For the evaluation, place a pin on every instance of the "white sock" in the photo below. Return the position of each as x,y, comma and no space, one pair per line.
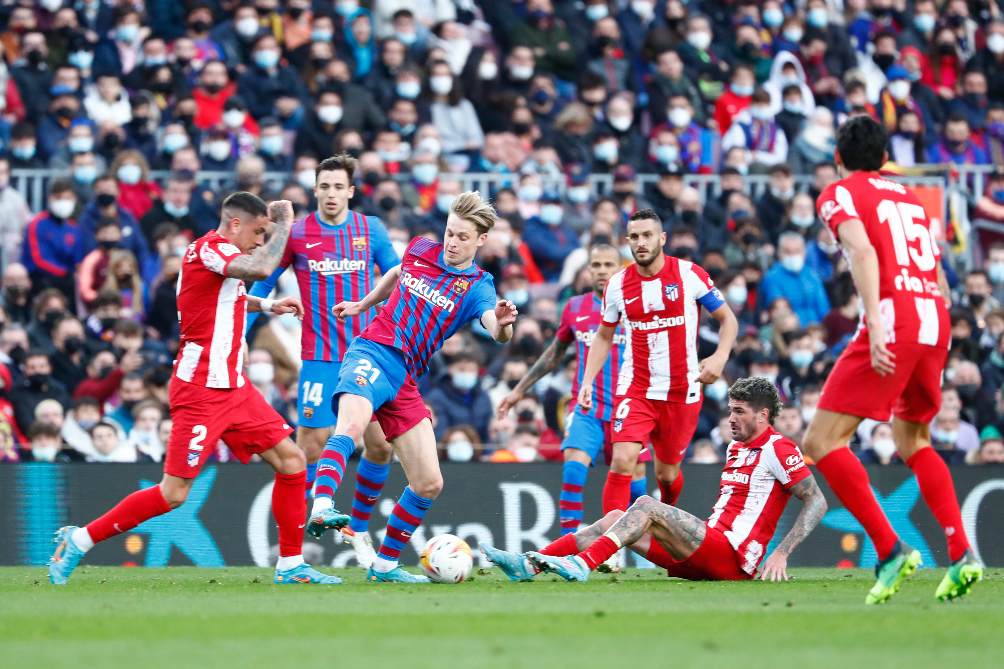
288,562
320,504
82,539
381,565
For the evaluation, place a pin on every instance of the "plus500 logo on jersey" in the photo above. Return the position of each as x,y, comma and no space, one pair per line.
419,288
328,266
657,323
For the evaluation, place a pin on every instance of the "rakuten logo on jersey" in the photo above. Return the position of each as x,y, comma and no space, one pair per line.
587,337
419,288
329,267
657,323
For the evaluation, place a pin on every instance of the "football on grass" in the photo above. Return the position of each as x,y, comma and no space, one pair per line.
447,559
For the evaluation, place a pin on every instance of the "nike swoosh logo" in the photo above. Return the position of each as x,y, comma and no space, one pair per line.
420,264
581,318
310,246
300,527
630,301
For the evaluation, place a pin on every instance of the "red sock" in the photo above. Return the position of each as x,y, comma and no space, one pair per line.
616,492
127,514
849,480
599,551
670,492
289,508
936,486
565,545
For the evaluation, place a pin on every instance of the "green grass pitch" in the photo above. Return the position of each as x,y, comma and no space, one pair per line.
185,617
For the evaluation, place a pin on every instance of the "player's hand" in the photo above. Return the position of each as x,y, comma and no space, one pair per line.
585,398
775,568
288,305
711,368
280,211
344,310
883,360
505,313
507,403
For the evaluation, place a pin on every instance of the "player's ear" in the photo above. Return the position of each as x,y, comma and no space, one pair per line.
482,238
837,160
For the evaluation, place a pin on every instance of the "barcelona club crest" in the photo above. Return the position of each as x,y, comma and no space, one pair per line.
308,412
360,381
672,291
359,243
461,285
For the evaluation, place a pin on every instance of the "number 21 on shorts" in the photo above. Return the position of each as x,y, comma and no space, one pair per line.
366,371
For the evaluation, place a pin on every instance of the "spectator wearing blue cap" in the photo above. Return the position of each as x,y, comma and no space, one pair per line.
549,237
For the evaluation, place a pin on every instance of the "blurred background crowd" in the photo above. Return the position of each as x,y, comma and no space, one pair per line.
133,119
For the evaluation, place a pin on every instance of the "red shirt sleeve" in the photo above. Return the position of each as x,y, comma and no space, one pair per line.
790,469
217,254
564,333
836,206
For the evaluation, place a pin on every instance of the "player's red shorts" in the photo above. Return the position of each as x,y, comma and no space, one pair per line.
714,560
668,426
403,412
202,416
912,392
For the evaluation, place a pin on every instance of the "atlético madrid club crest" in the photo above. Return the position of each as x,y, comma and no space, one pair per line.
672,291
461,285
618,424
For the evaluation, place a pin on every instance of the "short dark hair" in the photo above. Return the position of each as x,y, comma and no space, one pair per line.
759,393
339,161
245,202
101,424
60,186
602,244
43,429
861,141
645,214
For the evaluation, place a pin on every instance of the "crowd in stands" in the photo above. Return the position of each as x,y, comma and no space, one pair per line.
542,94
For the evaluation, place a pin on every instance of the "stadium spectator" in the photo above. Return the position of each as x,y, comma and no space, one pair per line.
458,398
789,277
461,443
50,250
261,373
952,436
131,391
37,385
16,291
109,445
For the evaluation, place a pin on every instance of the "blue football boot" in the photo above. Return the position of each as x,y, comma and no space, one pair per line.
514,565
303,573
65,558
569,568
395,575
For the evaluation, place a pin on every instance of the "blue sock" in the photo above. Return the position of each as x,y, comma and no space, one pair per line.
639,487
573,479
331,466
370,478
311,475
405,519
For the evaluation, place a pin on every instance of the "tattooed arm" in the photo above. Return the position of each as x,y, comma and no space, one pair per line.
545,364
813,510
261,262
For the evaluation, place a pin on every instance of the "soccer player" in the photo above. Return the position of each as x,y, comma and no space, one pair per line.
333,252
658,396
209,396
763,469
588,431
893,365
434,292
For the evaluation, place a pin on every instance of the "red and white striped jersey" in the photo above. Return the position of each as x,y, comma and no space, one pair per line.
755,488
212,309
660,315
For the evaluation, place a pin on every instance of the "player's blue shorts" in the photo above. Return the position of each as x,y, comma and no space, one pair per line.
318,379
586,433
371,370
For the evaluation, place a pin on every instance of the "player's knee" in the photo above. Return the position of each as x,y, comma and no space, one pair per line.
353,429
429,488
174,495
378,451
667,473
622,463
293,460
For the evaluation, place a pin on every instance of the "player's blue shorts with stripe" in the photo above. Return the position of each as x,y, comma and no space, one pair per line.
586,433
318,379
371,370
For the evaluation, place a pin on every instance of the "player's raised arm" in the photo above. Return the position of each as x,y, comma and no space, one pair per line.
599,351
499,321
865,272
261,262
712,367
544,365
380,292
775,568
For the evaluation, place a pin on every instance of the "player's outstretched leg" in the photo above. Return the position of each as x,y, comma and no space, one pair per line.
330,470
891,572
962,575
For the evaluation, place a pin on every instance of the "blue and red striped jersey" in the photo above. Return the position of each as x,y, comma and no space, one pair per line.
429,304
581,318
333,263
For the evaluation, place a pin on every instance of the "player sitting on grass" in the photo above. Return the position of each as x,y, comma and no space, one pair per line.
762,469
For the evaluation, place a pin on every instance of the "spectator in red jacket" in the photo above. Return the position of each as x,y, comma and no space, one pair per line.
736,98
212,93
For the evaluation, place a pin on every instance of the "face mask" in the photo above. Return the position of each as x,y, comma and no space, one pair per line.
803,221
793,107
699,40
717,391
80,144
597,12
219,150
680,117
924,22
306,178
551,214
761,113
578,194
606,152
37,381
976,301
808,413
266,59
643,8
321,35
518,296
945,436
23,152
174,210
817,17
525,453
129,174
44,453
108,245
464,380
127,33
793,264
271,145
801,359
247,27
73,344
667,153
87,423
793,35
347,7
85,174
81,60
742,91
408,90
460,451
520,72
884,448
995,43
773,17
62,208
261,373
488,69
234,118
996,272
899,89
174,141
425,173
444,202
529,193
620,123
406,38
737,295
441,85
330,114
